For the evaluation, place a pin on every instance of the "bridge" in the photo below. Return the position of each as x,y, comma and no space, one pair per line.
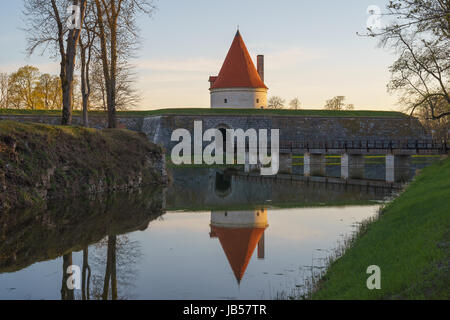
373,147
398,154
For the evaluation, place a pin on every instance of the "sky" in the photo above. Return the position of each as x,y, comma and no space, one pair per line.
311,50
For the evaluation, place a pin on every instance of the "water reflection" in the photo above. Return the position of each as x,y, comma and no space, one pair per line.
239,232
213,189
126,242
62,228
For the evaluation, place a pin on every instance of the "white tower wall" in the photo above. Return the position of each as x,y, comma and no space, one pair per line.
239,98
240,219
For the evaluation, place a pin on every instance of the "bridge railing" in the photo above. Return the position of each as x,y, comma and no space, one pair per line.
435,145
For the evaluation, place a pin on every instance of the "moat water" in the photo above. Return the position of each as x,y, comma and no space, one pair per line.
210,235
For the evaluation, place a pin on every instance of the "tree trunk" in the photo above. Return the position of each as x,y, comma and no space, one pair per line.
85,285
66,293
85,86
110,273
112,247
68,64
109,69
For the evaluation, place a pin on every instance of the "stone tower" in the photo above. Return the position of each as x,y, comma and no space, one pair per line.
239,85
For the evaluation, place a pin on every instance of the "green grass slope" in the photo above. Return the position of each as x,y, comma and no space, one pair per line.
410,242
205,111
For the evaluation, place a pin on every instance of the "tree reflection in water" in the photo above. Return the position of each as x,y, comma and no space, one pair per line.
109,270
66,293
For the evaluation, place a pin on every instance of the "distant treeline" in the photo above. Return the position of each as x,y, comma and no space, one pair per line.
28,88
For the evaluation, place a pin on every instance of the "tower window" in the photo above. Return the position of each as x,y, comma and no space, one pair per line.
257,100
225,100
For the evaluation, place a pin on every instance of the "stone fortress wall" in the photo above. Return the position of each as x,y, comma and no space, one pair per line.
292,128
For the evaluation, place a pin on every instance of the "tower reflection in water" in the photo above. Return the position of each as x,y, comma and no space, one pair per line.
239,233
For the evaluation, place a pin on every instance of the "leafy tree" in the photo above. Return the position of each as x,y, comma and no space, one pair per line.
22,85
48,92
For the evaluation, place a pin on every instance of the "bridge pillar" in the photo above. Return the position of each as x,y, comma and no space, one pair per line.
285,163
352,166
345,161
314,164
397,168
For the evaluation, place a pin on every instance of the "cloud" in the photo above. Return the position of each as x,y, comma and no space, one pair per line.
173,77
180,65
282,59
291,57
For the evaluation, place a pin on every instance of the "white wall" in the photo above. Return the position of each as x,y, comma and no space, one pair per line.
240,98
240,219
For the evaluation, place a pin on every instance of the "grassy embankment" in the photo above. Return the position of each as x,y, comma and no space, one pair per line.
39,162
205,111
410,242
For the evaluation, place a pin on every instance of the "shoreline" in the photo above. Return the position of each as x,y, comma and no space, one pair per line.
42,162
409,241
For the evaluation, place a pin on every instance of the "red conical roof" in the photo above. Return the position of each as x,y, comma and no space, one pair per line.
238,245
238,70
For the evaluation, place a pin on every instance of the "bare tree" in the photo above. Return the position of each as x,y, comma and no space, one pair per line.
47,27
420,34
126,97
118,34
276,103
87,50
337,104
295,104
422,75
98,94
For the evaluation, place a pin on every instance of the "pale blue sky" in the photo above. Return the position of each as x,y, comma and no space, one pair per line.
311,48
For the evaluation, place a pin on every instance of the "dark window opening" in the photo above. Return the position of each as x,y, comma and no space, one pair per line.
257,100
225,100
